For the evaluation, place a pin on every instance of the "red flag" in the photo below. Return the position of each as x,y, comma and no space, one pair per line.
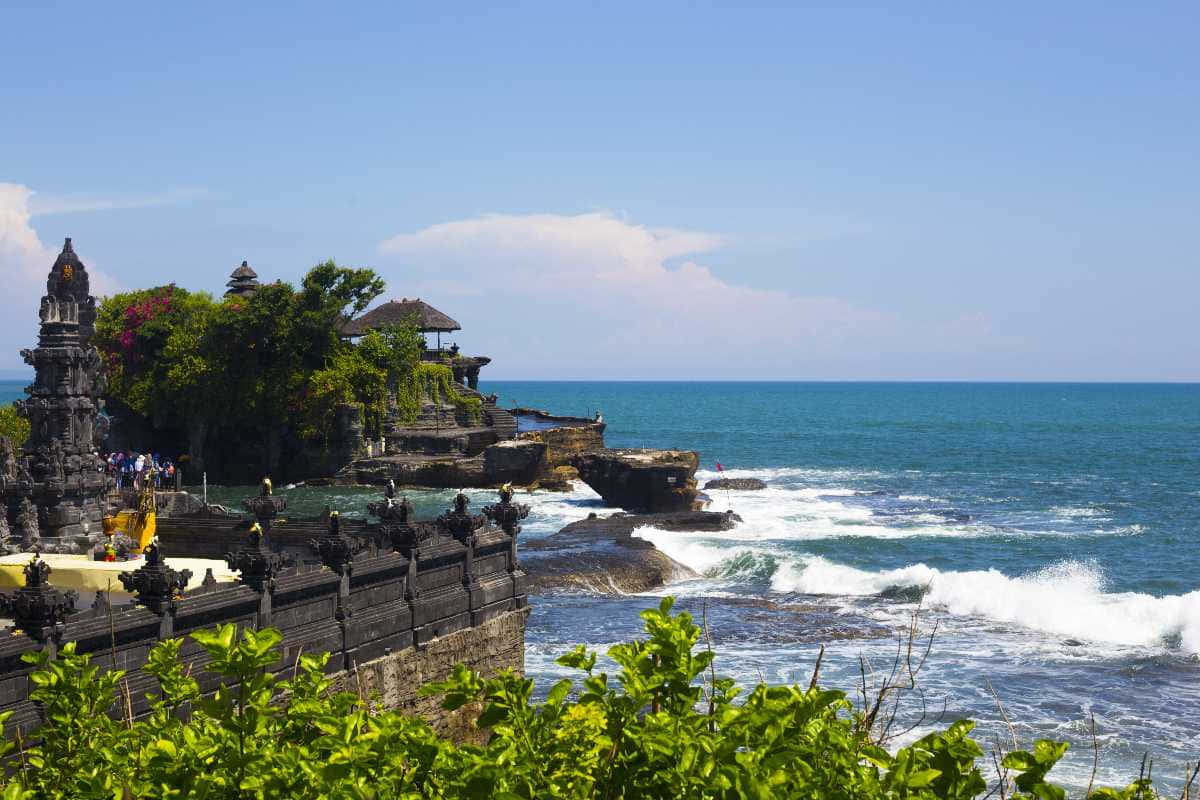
719,467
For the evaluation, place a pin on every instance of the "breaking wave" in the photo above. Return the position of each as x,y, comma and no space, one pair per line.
1066,598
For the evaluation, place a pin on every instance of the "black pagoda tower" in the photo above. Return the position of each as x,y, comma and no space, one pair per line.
243,281
58,468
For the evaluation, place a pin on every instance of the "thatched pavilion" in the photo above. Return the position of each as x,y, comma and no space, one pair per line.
397,312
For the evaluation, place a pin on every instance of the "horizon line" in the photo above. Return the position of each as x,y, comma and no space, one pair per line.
13,378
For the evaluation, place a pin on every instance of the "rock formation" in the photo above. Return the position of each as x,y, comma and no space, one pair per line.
648,481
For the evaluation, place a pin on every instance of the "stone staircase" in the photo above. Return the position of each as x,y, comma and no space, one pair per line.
502,422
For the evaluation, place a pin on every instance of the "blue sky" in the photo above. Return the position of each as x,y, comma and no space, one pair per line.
640,190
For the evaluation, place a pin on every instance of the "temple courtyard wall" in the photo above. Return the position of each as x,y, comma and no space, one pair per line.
392,615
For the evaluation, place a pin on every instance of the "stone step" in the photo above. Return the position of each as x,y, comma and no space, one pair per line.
502,422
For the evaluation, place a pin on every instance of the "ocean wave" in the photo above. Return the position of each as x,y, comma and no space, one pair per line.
785,474
1071,512
1066,599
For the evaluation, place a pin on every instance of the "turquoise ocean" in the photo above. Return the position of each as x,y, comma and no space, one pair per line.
1049,531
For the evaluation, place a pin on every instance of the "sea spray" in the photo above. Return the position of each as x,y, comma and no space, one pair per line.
1066,599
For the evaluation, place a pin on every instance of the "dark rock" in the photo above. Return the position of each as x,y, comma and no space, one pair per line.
600,554
597,563
737,484
513,461
623,524
174,504
647,481
559,479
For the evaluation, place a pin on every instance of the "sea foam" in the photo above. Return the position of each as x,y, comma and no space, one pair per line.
1066,599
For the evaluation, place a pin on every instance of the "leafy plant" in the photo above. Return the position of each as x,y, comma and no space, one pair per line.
666,726
434,382
13,426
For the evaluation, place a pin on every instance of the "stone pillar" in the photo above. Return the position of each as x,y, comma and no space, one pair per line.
157,586
508,516
461,525
337,552
258,566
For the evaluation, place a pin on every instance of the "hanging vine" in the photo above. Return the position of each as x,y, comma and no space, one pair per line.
434,382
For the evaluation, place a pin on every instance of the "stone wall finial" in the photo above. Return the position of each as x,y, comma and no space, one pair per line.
156,585
334,547
38,608
256,562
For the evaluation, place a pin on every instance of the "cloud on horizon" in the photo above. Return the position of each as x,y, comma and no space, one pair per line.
25,262
622,300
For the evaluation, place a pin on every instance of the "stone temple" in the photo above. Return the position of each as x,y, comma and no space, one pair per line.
56,472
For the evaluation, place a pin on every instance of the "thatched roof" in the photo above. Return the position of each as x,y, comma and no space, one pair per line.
398,312
243,271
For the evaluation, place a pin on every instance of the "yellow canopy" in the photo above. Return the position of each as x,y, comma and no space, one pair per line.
81,572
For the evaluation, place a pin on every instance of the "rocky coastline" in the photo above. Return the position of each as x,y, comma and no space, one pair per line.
600,555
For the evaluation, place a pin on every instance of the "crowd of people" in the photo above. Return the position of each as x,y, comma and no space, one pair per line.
130,470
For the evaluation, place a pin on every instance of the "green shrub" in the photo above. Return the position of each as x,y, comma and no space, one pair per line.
13,426
666,727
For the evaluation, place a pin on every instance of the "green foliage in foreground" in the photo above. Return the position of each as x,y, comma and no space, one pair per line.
13,426
657,730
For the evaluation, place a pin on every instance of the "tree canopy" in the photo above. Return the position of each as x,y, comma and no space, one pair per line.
269,365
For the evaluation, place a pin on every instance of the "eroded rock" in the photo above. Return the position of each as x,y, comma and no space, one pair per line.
646,481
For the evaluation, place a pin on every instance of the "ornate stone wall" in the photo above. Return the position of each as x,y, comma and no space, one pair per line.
396,604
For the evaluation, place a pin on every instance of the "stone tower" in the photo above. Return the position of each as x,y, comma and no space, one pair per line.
58,469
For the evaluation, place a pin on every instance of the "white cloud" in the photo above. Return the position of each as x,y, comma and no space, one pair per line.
609,293
25,262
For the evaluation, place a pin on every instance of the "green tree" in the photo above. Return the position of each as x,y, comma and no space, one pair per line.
13,426
260,366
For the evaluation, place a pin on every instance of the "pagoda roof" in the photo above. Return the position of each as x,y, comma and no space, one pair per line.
243,271
398,312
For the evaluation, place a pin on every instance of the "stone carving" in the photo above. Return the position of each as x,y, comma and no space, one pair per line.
257,563
459,523
55,460
55,469
506,513
156,585
27,524
334,547
8,463
395,523
266,506
39,609
508,516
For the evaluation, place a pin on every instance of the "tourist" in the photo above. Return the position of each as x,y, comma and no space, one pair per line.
130,473
139,468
